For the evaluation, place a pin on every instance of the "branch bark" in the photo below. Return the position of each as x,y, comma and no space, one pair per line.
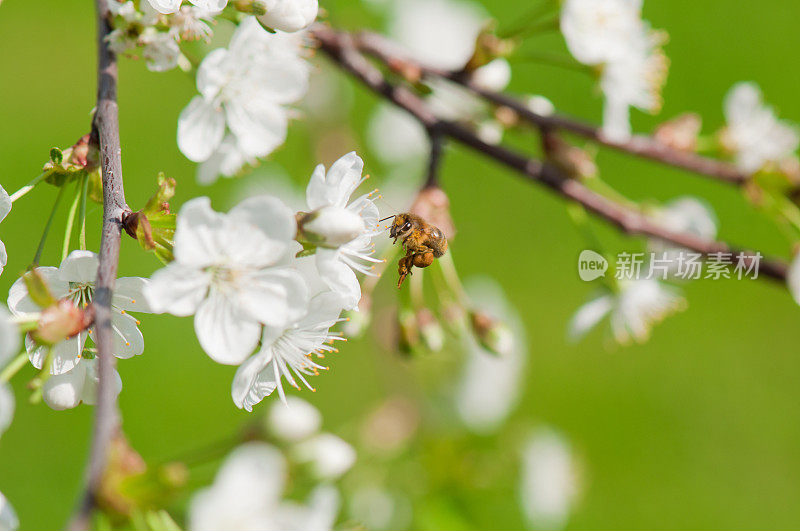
105,131
640,145
343,49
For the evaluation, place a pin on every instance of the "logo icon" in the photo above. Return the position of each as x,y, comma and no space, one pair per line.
591,265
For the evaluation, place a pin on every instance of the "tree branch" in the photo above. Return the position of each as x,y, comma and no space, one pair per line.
341,47
644,146
105,132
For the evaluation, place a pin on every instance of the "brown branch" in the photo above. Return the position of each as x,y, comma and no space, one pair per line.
641,145
105,132
341,48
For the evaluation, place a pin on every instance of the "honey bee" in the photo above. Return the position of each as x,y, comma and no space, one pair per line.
422,242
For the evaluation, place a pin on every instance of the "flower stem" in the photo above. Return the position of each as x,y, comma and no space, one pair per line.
84,196
28,187
13,367
47,227
73,209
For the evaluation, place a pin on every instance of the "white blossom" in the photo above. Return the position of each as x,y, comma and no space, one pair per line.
793,278
634,309
228,273
610,34
754,133
286,353
493,76
548,486
74,280
289,15
245,89
79,385
227,161
6,407
8,518
171,6
247,495
489,386
192,23
328,455
5,208
337,267
294,421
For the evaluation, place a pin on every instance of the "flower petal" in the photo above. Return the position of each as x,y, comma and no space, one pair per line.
201,126
213,73
275,297
20,302
254,380
64,391
129,295
79,266
226,333
588,316
177,289
197,235
335,186
66,354
270,215
338,277
259,126
5,203
6,407
165,6
128,339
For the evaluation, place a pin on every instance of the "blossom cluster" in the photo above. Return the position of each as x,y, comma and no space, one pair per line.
264,295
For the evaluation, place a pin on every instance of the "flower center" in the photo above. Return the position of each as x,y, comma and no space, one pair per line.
80,294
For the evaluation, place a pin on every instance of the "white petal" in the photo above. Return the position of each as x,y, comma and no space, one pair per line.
259,126
493,76
275,297
64,391
197,235
333,226
18,299
8,518
588,316
270,215
6,408
128,340
338,277
177,289
290,15
254,380
92,382
793,278
66,354
9,337
210,5
129,295
5,203
79,266
335,186
165,6
396,136
213,73
3,257
226,333
616,120
201,126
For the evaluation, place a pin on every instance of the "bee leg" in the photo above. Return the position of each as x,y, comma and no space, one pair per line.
404,268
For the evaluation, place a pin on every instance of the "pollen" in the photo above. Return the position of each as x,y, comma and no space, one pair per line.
127,343
122,312
133,301
138,322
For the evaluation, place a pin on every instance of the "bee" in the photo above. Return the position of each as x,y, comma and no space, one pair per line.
422,242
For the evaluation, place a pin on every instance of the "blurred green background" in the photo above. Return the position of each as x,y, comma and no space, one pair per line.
696,429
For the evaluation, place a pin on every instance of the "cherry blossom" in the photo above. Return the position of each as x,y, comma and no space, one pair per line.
338,266
74,280
172,6
754,134
228,274
5,208
244,89
79,385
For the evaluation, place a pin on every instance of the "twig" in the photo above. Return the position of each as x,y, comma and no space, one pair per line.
434,159
640,145
105,132
341,48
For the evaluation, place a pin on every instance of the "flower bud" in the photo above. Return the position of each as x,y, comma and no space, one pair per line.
289,15
58,322
492,334
330,226
329,456
493,76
